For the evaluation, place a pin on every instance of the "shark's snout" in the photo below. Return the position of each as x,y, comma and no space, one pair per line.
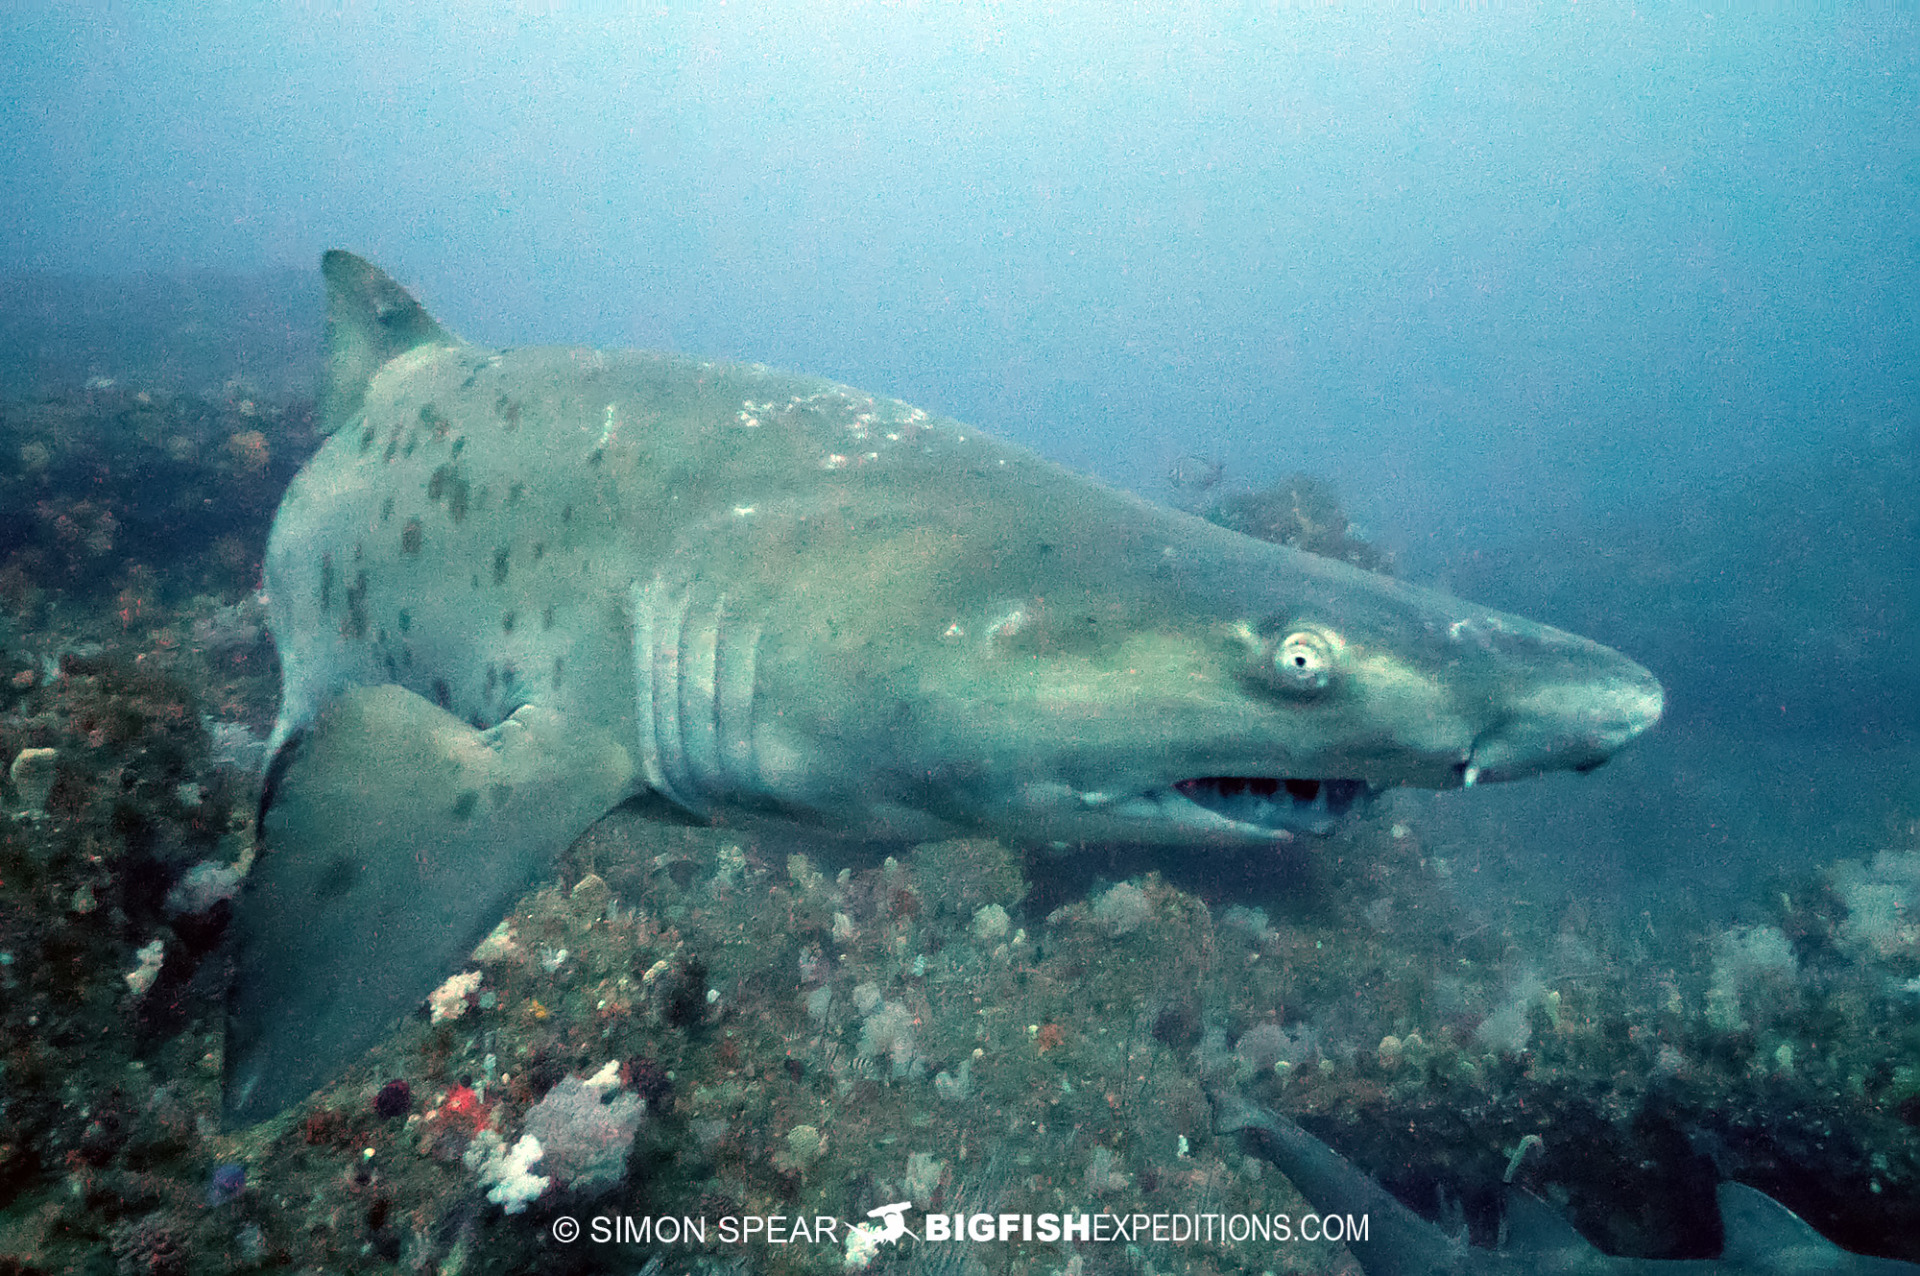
1570,725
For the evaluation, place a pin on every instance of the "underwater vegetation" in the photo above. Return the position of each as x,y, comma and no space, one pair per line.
693,1022
1299,511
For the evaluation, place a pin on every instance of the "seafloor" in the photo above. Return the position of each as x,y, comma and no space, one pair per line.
798,1030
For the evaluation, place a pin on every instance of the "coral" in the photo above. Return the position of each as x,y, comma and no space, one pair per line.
1303,512
32,777
508,1172
955,1086
1251,922
1752,965
141,977
990,924
924,1172
1509,1029
888,1031
804,1144
201,887
1883,906
962,876
1264,1045
449,1000
585,1132
1123,909
1104,1173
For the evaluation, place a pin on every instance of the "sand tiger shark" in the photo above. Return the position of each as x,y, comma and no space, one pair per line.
516,588
1763,1237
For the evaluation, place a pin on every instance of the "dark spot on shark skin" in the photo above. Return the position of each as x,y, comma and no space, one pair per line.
446,482
463,806
459,444
539,550
431,419
366,440
508,410
410,537
413,441
507,622
386,510
405,620
443,694
500,565
546,617
392,666
515,492
493,677
355,624
566,514
337,878
326,582
500,793
359,552
393,448
559,667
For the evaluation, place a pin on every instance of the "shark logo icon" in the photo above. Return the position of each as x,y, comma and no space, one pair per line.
893,1222
865,1239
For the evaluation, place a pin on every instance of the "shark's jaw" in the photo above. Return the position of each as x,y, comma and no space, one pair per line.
1216,809
1276,805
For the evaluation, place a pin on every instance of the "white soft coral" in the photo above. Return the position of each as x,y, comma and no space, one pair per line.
508,1172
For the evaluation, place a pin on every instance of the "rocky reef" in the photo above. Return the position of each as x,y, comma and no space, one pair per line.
705,1024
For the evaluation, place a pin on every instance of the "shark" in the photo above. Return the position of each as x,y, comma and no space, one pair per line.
516,588
1763,1237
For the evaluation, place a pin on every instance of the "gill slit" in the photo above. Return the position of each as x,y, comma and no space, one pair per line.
694,666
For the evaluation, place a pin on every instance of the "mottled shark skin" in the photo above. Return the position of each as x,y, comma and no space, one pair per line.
517,587
1763,1237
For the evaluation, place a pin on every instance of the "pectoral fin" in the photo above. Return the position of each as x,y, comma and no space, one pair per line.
394,838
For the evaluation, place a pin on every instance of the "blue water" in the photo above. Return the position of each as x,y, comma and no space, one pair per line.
1604,316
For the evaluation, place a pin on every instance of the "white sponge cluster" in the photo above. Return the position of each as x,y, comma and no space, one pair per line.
508,1172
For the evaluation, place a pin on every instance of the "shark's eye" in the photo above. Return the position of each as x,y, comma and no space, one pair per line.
1303,662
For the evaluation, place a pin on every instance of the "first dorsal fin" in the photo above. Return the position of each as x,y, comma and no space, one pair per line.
370,319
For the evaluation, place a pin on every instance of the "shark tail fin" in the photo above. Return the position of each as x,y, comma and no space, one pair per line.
1760,1230
370,319
394,836
1534,1229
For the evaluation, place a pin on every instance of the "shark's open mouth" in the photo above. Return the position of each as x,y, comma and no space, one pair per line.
1269,802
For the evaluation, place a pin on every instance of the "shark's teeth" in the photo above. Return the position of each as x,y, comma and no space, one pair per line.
1275,803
